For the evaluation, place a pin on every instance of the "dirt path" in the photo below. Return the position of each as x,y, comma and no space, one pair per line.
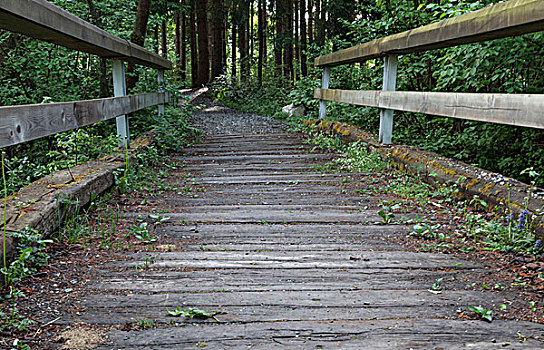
284,255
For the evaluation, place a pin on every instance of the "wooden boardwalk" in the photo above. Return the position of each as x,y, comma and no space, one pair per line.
287,256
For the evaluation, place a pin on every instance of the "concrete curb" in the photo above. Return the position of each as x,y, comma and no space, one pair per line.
497,190
48,202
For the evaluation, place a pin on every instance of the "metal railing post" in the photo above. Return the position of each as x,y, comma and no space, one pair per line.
120,89
324,85
160,79
389,84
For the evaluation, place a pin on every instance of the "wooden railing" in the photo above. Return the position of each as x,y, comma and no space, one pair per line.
506,19
41,20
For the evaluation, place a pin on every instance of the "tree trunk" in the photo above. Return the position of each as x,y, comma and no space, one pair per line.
217,31
224,38
96,19
156,39
183,46
279,37
310,22
303,42
260,35
243,40
164,47
297,32
288,42
203,53
138,37
233,50
322,32
194,46
177,21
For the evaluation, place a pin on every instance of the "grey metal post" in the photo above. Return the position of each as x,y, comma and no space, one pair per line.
120,89
160,79
324,85
389,84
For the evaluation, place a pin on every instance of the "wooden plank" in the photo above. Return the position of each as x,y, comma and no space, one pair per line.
391,333
506,19
30,122
41,20
518,110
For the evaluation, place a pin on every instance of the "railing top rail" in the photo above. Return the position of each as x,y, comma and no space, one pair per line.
505,19
42,20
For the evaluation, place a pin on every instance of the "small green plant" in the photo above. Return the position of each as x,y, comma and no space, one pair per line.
426,231
141,232
192,313
387,217
148,261
32,255
436,288
10,318
484,314
146,323
532,306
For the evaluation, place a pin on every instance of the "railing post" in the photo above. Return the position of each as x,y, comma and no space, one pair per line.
324,85
389,84
120,89
160,79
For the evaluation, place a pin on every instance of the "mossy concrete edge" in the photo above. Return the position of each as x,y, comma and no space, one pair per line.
497,190
47,203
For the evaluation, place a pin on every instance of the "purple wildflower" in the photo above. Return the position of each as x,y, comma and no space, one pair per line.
537,245
522,219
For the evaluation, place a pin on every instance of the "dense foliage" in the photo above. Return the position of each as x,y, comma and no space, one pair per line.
509,65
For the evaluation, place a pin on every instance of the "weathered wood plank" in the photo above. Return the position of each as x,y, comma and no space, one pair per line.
29,122
44,21
283,305
510,109
506,19
370,334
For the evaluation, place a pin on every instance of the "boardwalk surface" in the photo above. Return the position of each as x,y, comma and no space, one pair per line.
287,256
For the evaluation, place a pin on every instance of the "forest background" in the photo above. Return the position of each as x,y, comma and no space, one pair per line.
257,55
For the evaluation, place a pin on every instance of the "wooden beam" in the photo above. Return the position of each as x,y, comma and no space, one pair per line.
29,122
509,109
41,20
505,19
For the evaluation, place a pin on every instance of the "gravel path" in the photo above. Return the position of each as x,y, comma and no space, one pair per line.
218,119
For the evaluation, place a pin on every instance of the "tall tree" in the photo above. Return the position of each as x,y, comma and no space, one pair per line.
278,40
217,38
321,24
181,52
303,39
203,45
310,22
261,9
233,47
183,46
164,47
194,45
296,4
243,40
288,39
138,37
